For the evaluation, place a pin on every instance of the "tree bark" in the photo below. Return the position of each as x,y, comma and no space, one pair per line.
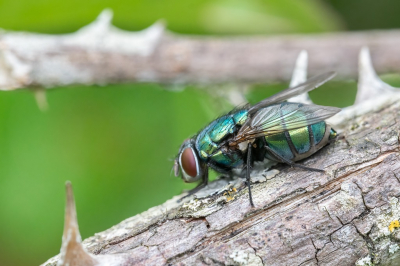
102,54
344,216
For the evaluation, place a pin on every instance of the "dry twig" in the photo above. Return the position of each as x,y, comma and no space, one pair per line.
347,215
100,53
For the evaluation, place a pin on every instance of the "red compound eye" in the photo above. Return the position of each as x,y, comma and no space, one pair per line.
188,162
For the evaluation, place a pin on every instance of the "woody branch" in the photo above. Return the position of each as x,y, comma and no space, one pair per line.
348,215
100,53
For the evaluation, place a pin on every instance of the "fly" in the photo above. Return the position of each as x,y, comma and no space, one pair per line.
272,129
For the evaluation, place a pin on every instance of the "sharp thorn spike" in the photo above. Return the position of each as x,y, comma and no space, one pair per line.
99,26
72,252
372,95
41,99
299,76
370,85
236,97
105,16
300,70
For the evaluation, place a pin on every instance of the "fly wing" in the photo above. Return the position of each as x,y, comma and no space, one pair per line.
278,118
309,85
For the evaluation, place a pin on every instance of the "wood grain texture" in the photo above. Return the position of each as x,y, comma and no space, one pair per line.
300,218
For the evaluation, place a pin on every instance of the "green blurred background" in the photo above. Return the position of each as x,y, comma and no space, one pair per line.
115,142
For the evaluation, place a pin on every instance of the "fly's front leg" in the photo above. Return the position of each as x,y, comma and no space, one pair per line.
292,163
203,184
248,164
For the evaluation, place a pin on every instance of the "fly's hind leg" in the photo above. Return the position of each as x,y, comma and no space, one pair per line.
248,164
200,186
292,163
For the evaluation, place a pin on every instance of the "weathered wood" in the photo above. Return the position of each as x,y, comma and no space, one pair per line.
347,215
300,218
102,54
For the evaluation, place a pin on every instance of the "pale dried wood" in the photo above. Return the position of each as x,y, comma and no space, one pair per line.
300,218
341,217
102,54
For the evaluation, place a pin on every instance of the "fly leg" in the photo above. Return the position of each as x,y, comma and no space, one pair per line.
292,163
248,173
203,184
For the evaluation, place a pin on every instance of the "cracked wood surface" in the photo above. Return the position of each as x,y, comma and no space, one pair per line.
301,217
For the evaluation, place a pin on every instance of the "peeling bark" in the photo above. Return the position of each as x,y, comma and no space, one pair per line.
102,54
301,218
340,217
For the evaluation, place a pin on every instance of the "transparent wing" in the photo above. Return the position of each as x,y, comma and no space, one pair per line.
309,85
282,117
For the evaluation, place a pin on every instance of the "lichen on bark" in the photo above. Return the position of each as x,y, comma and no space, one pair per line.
300,218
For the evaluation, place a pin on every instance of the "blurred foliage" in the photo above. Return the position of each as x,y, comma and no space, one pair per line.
368,14
185,16
115,142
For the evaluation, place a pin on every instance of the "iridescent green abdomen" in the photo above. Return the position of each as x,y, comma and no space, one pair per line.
299,143
300,139
208,139
318,131
279,144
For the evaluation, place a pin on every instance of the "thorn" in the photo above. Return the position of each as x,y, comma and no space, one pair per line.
72,252
369,84
299,76
100,25
300,70
71,221
372,94
156,30
159,25
41,99
101,35
105,17
236,97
